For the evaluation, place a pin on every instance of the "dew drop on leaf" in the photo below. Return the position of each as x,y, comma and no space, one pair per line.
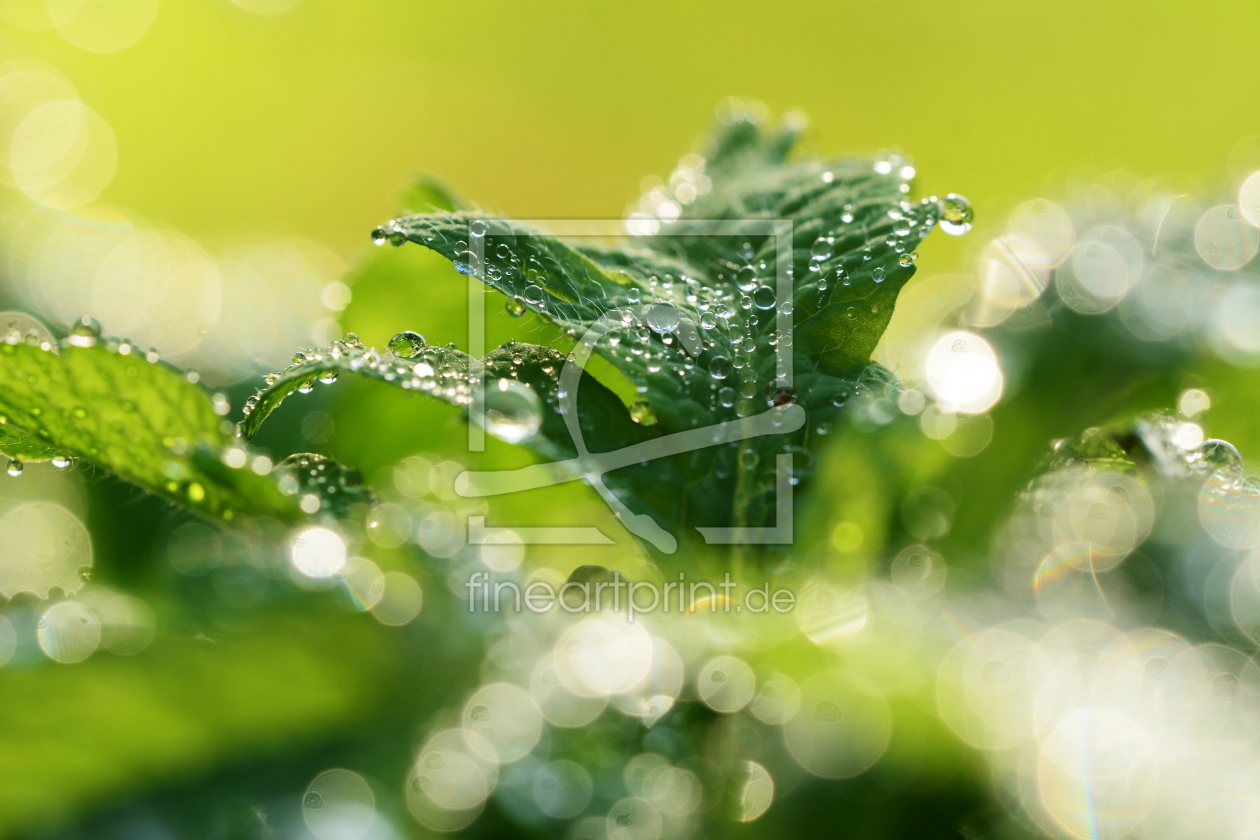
719,367
513,411
514,307
85,332
956,215
663,318
406,344
641,412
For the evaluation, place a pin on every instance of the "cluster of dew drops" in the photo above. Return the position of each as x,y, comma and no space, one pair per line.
513,411
729,311
84,332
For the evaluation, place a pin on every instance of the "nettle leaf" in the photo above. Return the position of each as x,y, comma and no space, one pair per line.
523,404
756,284
144,421
529,417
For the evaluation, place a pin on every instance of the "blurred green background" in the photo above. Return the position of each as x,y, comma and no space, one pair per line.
232,125
307,121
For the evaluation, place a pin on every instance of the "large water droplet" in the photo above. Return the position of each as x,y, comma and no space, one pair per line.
764,297
663,318
746,278
379,236
406,344
15,467
641,412
719,367
85,332
1222,457
516,308
956,215
513,412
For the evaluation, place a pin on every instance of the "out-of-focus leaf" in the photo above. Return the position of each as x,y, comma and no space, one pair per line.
111,726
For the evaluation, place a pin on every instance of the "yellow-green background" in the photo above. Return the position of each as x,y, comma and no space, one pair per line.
308,122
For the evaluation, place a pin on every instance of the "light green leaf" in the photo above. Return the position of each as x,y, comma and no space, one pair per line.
142,421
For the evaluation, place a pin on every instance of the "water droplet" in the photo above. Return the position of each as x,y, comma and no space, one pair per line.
1222,458
61,461
328,377
663,318
406,344
823,248
397,238
726,397
764,297
478,227
85,332
901,227
15,467
956,215
533,295
514,307
513,412
719,367
379,236
746,278
708,321
633,295
878,275
641,412
779,393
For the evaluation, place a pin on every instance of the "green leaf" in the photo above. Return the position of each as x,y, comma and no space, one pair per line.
447,374
114,726
21,447
143,421
691,312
